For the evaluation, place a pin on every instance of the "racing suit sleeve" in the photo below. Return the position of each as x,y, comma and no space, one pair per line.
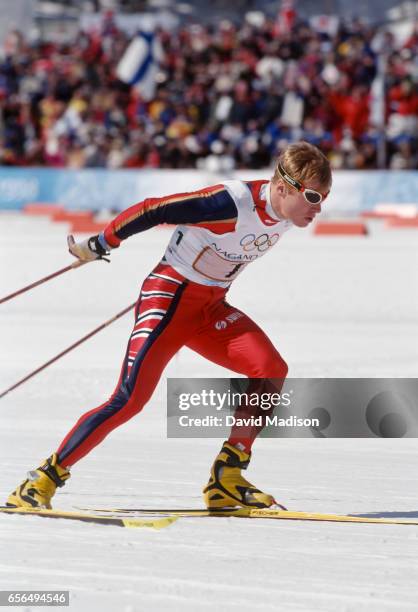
204,207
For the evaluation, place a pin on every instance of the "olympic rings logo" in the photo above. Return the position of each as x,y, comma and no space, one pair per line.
261,243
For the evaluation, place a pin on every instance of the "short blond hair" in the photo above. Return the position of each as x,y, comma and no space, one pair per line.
304,162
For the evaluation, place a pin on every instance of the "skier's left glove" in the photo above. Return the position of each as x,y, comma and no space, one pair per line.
88,250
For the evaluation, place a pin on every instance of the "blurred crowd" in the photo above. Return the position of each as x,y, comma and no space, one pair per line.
227,97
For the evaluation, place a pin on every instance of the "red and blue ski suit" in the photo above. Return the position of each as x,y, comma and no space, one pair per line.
220,230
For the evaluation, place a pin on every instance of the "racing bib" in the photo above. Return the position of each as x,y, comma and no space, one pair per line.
215,267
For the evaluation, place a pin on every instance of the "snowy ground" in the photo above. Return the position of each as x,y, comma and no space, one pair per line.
334,307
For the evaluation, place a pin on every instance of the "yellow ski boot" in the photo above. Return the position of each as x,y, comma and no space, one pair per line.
227,488
37,490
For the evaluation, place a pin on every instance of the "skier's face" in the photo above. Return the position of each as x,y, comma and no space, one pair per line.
290,204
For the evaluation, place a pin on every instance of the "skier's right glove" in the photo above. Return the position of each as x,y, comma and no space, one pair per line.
87,250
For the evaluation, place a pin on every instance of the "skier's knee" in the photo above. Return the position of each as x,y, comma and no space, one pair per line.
271,366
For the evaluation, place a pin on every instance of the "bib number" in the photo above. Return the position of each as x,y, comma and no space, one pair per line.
215,267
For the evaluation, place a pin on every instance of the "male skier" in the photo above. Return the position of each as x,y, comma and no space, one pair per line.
220,230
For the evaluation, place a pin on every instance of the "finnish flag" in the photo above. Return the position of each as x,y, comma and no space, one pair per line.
139,64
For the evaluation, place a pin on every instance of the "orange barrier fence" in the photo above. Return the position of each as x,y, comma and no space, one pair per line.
340,228
401,222
40,208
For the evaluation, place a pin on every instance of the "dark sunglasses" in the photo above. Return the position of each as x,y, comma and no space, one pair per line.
311,196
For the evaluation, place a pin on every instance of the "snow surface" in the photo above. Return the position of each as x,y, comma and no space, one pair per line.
334,307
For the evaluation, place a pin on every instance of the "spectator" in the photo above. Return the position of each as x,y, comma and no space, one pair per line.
228,96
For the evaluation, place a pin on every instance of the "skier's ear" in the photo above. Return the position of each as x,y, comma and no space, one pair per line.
279,187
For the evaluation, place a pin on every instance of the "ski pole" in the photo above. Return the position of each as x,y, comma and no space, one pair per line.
75,264
70,348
